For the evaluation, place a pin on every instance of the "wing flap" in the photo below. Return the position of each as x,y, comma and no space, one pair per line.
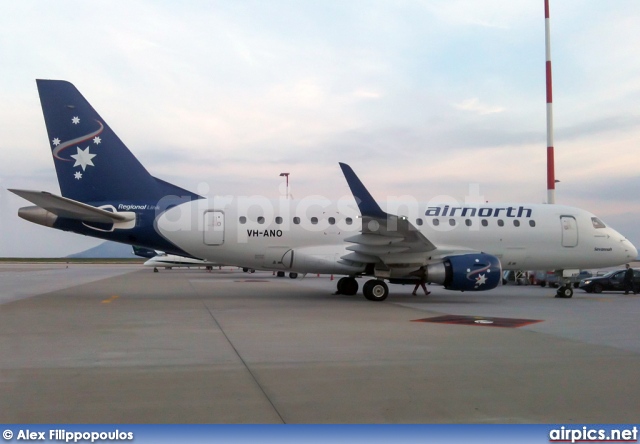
376,250
373,239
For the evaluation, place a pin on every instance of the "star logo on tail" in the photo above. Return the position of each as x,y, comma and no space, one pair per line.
83,158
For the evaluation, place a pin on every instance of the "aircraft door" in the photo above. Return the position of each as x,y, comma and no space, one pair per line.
569,231
213,227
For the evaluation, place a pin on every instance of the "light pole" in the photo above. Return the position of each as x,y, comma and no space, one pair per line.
286,175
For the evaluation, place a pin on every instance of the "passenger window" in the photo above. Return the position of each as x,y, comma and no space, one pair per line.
332,221
485,222
468,222
500,223
349,221
452,222
261,220
278,220
418,221
296,220
516,223
532,223
243,220
314,220
436,222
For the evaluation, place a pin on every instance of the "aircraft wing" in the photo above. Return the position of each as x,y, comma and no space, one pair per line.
72,209
383,235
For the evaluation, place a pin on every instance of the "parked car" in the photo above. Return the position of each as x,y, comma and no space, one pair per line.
612,281
577,278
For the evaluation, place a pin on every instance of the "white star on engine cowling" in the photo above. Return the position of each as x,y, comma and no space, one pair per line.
75,120
480,280
78,175
83,158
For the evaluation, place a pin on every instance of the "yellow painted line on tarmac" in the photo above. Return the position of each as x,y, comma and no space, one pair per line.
111,299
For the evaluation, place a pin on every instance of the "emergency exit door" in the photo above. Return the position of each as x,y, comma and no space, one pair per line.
213,228
569,231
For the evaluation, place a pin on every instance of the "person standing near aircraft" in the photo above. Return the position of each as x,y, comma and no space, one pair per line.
421,274
628,280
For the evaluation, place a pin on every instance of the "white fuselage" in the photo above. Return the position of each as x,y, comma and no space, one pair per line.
309,237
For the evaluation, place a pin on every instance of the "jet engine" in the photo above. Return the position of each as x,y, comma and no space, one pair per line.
466,272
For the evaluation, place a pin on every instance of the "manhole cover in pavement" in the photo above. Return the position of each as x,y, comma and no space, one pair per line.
480,320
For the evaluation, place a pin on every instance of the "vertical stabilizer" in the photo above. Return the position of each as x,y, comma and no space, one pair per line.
92,163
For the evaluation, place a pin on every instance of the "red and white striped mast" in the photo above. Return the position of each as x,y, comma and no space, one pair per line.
551,174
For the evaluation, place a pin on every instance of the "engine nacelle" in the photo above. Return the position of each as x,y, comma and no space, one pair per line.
467,272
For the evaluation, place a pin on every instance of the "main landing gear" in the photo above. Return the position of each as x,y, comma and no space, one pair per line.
374,290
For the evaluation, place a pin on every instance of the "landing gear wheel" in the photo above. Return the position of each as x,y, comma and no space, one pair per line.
280,274
340,285
347,286
375,290
155,270
293,275
350,286
565,292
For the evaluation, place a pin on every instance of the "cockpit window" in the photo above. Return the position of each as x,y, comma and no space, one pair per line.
597,223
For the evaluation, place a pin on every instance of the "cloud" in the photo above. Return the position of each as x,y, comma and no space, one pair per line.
420,96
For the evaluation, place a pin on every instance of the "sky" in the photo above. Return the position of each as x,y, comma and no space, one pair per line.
427,99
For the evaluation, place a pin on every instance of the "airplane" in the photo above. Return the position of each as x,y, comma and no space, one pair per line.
159,259
108,194
170,261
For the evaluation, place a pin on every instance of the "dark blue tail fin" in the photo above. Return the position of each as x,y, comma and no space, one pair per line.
144,252
92,163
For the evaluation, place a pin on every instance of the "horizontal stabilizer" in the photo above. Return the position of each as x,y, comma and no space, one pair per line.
71,209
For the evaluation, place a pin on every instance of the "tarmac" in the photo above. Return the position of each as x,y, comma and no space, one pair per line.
121,344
